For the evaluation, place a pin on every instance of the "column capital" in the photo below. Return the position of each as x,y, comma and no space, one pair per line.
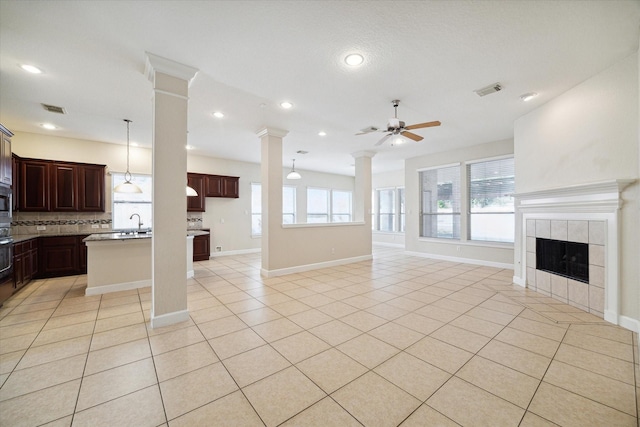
280,133
359,154
155,63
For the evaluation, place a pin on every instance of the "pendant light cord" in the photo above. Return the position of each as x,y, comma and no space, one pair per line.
127,175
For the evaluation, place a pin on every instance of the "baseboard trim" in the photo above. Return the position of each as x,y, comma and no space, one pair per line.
629,323
315,266
519,281
117,287
461,260
169,318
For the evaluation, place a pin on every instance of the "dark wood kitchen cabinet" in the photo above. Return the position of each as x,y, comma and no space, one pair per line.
202,247
64,187
197,182
34,186
25,262
46,185
61,256
222,186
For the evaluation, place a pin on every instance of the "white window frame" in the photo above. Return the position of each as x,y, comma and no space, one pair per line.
258,215
456,215
510,214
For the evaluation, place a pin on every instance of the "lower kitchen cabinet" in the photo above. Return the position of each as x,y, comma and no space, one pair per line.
202,247
62,256
25,262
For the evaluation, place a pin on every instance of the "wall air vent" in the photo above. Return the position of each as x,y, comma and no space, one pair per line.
54,109
496,87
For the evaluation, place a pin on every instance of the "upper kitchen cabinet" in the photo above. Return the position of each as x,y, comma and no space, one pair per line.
197,182
6,172
222,186
91,188
46,185
34,186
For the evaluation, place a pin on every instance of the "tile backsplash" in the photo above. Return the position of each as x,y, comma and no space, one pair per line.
69,223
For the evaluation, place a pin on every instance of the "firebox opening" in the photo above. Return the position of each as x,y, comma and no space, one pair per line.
568,259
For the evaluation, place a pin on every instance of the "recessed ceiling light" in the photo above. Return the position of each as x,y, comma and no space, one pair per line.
31,69
189,147
218,114
528,96
322,133
286,105
49,126
354,59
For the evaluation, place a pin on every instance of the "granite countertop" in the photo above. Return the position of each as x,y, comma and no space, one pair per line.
101,235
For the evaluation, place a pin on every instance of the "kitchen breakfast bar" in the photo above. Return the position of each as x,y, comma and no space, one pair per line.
122,261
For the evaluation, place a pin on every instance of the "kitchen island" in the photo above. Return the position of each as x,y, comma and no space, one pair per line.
122,261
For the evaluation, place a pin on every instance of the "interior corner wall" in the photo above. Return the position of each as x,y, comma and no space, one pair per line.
590,134
393,179
463,249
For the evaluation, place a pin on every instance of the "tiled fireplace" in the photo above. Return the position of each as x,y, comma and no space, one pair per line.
587,295
586,214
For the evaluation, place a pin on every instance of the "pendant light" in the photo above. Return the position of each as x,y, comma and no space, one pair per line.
293,174
191,192
127,186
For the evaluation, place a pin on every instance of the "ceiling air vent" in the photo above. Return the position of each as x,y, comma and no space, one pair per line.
54,109
496,87
302,152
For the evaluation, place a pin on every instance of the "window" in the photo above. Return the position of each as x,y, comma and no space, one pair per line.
288,207
256,209
386,209
126,204
340,206
401,210
317,205
491,211
289,204
440,202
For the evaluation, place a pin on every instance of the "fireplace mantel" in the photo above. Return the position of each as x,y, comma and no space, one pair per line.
601,196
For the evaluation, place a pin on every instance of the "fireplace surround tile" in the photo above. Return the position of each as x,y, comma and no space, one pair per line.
578,231
543,228
559,287
559,230
578,294
596,232
596,255
531,228
596,275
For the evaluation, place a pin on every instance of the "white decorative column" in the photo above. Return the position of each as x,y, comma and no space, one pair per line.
271,171
362,189
169,263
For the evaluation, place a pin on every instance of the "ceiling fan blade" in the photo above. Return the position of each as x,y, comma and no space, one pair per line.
423,125
412,136
384,138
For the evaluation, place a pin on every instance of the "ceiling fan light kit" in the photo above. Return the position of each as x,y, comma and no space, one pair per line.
396,126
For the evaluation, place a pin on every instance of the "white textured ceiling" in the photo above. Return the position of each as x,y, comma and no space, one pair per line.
252,55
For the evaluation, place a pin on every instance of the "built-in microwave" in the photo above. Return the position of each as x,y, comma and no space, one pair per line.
5,205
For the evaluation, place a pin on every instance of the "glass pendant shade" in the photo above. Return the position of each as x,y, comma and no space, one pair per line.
127,186
293,174
191,192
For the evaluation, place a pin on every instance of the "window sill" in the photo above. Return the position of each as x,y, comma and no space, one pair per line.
499,245
322,224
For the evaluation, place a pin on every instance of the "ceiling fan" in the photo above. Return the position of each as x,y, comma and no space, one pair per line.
397,127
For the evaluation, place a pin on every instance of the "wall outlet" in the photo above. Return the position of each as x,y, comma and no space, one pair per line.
95,225
333,250
41,227
104,225
221,220
218,248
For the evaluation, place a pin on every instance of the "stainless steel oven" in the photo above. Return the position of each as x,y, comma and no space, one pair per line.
6,205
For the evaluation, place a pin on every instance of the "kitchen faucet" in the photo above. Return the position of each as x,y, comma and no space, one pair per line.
139,220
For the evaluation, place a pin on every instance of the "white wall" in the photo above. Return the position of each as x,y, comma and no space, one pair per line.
590,134
464,250
391,179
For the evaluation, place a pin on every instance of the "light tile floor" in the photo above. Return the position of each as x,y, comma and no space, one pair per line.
399,340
